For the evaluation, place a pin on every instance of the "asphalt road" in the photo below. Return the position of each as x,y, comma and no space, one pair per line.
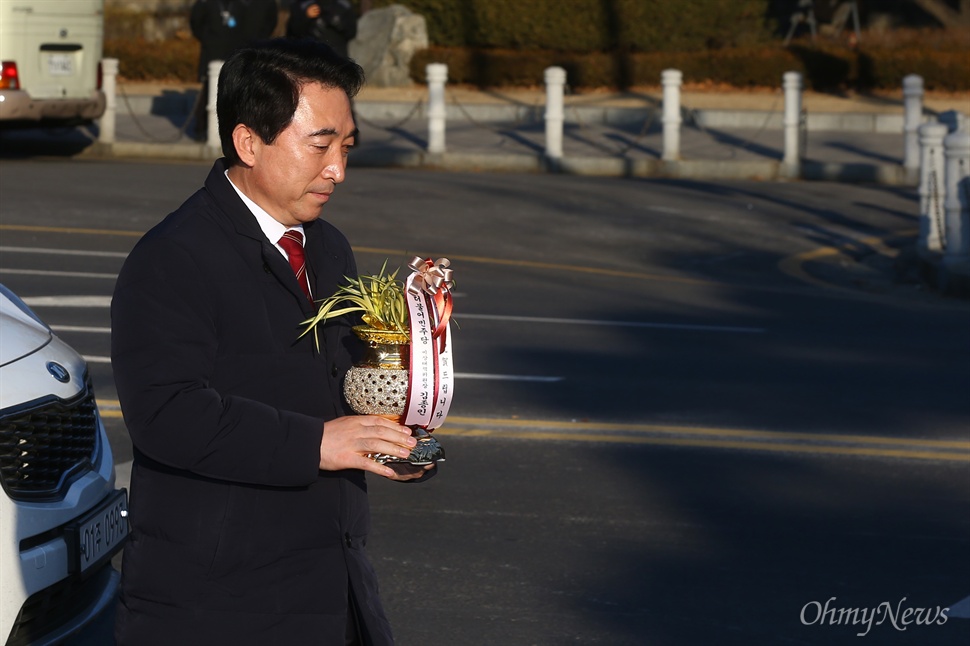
686,413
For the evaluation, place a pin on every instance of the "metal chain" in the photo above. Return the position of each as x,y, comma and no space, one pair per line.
394,126
624,149
151,137
503,132
644,129
935,200
648,123
965,183
802,133
475,122
692,112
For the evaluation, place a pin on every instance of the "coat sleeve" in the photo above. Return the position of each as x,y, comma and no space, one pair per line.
164,342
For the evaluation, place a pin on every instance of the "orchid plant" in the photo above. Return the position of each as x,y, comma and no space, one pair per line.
379,298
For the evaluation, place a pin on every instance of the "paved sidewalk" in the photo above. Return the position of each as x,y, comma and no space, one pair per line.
725,135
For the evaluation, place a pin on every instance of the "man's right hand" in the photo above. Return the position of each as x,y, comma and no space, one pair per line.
348,440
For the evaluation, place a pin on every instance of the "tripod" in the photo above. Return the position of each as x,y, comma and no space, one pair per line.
842,14
805,12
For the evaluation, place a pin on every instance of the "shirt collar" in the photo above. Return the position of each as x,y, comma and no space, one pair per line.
272,228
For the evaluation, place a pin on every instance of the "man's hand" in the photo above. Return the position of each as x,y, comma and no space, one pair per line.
313,11
404,471
347,440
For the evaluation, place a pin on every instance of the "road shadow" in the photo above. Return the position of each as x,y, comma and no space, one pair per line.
60,141
861,152
737,143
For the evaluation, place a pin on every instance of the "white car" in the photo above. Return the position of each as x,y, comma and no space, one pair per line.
61,518
50,62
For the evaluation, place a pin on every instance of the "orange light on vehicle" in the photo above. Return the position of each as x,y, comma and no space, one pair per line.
9,79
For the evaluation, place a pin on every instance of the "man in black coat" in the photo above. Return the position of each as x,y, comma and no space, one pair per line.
332,21
248,506
222,27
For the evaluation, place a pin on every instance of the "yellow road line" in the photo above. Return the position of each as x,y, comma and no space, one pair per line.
690,436
794,265
710,443
590,427
397,252
43,229
555,267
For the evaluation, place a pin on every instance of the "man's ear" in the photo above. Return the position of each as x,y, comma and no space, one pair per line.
247,144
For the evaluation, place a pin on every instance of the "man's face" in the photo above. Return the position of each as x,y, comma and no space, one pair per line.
293,177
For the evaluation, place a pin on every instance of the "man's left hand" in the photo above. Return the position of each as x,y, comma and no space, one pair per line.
404,472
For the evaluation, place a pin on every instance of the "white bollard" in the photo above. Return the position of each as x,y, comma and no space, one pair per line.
212,136
912,118
555,78
109,85
792,84
956,149
671,81
437,74
931,186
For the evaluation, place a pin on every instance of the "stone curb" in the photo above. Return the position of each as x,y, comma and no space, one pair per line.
887,174
178,105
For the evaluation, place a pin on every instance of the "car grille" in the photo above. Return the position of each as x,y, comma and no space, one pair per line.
53,607
43,444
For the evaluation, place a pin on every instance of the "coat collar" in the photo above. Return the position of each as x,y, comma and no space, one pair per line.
244,223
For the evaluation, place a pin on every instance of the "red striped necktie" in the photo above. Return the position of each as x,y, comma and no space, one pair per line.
292,243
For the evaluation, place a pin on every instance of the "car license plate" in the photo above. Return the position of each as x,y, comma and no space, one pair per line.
99,534
60,64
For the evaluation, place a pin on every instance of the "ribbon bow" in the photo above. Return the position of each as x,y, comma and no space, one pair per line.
432,276
435,279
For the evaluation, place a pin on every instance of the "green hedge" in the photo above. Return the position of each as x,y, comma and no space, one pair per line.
140,60
884,68
593,25
824,70
611,43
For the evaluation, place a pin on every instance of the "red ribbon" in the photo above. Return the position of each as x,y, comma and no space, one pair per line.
435,279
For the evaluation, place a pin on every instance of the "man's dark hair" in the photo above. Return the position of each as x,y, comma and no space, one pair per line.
259,86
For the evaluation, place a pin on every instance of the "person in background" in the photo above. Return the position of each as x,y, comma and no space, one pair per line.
222,27
332,21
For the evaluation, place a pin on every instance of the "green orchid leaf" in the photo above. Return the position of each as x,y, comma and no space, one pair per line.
379,297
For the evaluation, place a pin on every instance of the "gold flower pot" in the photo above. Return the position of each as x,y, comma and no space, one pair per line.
378,385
